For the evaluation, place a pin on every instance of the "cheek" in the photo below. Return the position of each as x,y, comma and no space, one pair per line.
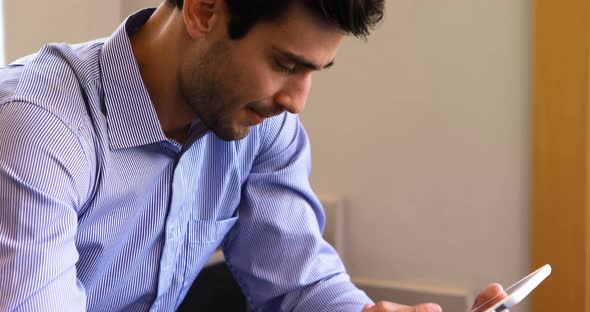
258,83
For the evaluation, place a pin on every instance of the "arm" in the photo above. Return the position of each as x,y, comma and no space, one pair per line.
276,250
44,178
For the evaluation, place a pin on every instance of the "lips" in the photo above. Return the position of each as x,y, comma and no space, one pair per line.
261,113
255,116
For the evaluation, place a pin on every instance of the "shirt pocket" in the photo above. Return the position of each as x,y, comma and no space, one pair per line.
204,236
204,232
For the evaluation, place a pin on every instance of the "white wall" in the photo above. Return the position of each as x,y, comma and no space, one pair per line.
62,21
2,57
130,6
30,24
425,130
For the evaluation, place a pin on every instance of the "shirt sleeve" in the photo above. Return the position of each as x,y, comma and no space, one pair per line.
44,178
276,250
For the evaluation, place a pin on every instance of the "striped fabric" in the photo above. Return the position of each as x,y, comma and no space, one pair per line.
99,211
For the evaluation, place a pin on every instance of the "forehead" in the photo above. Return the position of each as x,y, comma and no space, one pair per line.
301,32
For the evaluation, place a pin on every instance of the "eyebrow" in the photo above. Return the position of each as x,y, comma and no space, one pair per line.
302,61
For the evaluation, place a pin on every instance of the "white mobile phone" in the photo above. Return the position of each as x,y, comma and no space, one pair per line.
515,293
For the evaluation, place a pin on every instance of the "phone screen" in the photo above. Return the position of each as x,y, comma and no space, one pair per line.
515,293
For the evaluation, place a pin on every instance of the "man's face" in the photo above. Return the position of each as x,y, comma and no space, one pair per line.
235,84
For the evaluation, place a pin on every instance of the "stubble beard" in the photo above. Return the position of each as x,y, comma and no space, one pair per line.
204,85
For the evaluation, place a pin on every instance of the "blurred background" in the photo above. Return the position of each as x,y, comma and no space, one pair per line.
425,136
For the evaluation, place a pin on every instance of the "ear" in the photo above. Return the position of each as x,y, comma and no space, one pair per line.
201,16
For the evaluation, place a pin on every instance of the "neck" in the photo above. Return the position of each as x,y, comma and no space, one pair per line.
157,47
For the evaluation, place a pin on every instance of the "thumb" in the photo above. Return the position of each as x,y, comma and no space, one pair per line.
428,307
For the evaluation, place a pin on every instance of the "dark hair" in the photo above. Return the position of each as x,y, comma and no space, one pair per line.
356,17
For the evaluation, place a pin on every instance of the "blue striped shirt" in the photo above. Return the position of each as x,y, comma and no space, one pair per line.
100,211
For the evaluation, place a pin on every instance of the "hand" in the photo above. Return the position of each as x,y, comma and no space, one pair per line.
482,302
484,299
384,306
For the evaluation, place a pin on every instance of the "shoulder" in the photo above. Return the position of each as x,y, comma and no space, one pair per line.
272,133
280,139
56,79
44,100
42,151
59,65
281,131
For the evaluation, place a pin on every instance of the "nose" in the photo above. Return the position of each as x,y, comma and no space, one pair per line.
293,96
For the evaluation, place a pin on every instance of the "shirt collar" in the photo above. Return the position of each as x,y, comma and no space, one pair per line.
131,118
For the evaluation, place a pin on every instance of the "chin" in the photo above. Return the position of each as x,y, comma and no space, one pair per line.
226,129
232,134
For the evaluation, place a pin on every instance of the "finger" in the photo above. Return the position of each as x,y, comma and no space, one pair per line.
390,306
428,307
385,306
491,295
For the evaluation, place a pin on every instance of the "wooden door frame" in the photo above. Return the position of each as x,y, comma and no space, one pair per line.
560,154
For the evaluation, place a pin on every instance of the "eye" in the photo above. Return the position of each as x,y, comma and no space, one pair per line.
284,68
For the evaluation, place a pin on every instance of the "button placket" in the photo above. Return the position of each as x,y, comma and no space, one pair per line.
170,252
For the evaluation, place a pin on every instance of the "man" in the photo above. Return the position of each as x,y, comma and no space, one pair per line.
125,162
